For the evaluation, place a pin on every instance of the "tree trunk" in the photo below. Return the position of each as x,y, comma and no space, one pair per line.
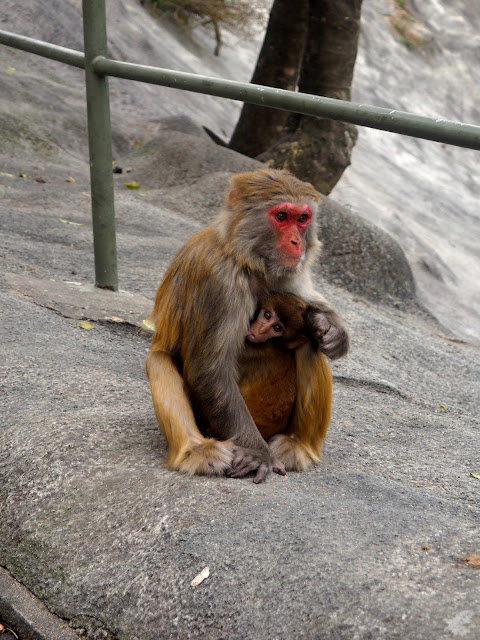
318,149
278,65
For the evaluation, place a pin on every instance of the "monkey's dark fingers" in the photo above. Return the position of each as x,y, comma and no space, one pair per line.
243,462
334,344
321,325
261,473
247,460
264,469
241,465
279,468
244,469
240,458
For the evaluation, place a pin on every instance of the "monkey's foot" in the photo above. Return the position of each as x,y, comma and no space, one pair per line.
210,458
294,455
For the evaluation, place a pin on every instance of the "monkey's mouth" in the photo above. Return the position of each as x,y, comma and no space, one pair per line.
250,336
289,261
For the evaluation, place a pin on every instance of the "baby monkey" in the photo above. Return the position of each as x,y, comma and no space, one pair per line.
268,368
280,316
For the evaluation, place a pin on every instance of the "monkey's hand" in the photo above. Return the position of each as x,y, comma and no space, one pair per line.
331,335
248,460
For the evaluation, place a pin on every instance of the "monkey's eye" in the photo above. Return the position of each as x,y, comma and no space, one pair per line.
303,218
267,315
281,216
277,328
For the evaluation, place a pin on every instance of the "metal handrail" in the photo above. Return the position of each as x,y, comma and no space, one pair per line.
45,49
436,129
98,67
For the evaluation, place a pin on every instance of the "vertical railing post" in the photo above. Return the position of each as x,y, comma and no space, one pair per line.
100,147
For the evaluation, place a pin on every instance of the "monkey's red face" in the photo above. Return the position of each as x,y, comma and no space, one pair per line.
290,222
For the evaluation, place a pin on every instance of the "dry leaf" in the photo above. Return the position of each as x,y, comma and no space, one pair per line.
148,324
85,324
203,575
7,633
132,185
473,559
75,224
114,319
70,179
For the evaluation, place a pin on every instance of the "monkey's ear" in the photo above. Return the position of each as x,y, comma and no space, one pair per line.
232,197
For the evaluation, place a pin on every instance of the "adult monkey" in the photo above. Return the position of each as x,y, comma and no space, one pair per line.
264,239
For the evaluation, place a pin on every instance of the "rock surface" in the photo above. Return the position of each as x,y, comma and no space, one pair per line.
369,544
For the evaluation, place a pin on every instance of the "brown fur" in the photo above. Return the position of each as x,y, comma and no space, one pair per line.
302,444
268,369
202,310
268,386
269,382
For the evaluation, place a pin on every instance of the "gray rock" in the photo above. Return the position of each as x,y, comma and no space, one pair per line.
371,543
363,258
27,614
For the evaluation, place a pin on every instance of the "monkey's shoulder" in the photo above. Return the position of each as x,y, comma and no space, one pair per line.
202,248
205,261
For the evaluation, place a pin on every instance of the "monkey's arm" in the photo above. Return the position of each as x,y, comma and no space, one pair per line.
327,326
210,372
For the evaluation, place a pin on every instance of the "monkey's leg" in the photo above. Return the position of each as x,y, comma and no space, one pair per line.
302,445
188,450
